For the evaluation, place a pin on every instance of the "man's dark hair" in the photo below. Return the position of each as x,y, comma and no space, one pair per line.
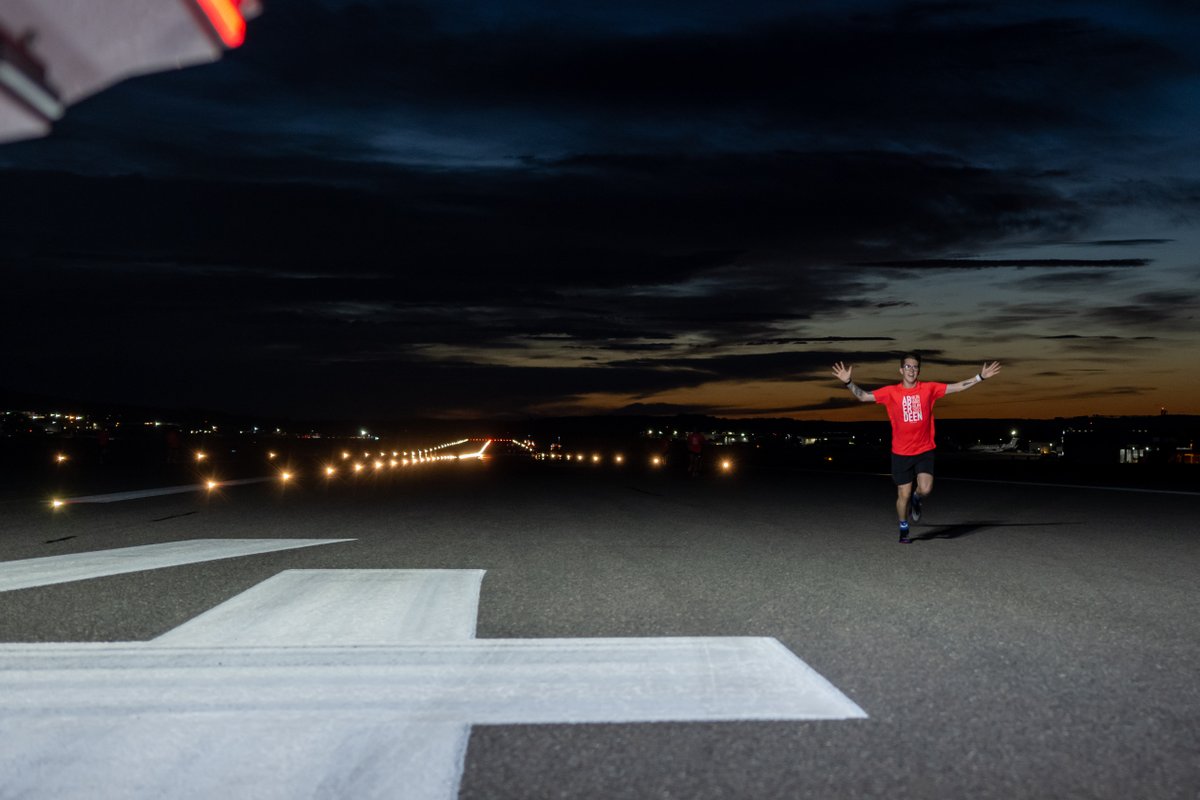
914,356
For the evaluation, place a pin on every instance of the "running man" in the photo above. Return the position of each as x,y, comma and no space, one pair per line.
910,409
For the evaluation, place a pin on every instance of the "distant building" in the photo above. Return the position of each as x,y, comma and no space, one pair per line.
1140,440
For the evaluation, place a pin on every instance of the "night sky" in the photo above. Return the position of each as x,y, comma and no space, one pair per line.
463,208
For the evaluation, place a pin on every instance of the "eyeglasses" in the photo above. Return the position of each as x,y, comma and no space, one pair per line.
910,366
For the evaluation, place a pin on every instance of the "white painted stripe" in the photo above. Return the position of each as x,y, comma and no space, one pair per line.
514,681
138,494
191,720
197,757
48,570
330,607
341,607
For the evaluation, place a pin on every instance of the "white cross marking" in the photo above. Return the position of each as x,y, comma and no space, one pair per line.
382,706
30,572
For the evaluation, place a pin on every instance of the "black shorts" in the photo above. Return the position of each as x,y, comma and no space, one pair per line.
906,468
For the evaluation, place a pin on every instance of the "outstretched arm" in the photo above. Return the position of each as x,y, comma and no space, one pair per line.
843,374
986,372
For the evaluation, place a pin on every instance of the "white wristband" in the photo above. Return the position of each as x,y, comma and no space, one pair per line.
978,377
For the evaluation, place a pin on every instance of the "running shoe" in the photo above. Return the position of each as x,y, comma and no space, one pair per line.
914,507
904,535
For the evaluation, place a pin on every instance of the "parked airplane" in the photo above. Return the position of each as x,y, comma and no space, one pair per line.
56,52
1007,447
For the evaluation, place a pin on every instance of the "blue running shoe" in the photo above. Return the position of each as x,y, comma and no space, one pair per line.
914,507
904,533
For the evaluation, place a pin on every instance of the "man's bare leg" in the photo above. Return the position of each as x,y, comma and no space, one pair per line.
903,495
924,488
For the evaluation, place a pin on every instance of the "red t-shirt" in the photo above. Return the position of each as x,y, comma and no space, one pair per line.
911,413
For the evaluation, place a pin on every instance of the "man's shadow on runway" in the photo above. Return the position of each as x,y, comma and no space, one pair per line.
961,529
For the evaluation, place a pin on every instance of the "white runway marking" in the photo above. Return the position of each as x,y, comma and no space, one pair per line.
196,757
30,572
138,494
499,681
364,715
341,607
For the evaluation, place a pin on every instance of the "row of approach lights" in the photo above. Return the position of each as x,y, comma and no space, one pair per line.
383,460
725,464
379,463
396,458
405,458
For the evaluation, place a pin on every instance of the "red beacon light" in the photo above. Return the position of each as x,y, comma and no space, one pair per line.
228,18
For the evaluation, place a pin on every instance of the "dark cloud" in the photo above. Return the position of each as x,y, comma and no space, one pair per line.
817,340
1114,391
325,84
764,366
661,409
921,68
1066,281
1177,196
1124,242
982,263
1100,339
593,248
836,403
477,205
1106,347
1161,311
1154,313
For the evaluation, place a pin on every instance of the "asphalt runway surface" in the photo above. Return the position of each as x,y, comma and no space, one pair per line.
1033,641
